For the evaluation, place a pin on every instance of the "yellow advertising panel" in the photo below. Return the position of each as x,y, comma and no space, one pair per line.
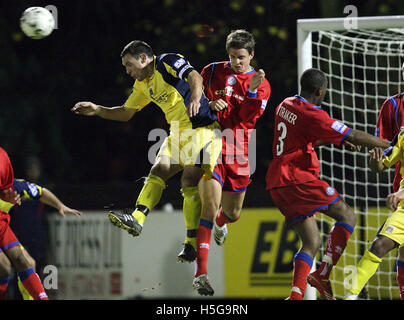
259,254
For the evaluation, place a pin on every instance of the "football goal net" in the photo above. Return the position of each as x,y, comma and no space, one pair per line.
363,67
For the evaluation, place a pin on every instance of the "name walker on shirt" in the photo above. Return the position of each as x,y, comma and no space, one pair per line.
287,115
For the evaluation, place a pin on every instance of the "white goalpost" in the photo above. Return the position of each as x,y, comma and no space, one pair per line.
363,67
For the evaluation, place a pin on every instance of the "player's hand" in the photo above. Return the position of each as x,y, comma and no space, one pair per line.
66,210
256,80
193,108
393,199
218,105
85,108
11,196
376,154
352,146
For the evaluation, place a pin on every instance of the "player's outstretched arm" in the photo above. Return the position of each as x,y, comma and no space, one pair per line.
375,161
361,138
52,200
90,109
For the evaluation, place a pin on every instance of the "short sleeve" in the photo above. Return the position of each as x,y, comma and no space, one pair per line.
322,127
175,65
27,190
137,99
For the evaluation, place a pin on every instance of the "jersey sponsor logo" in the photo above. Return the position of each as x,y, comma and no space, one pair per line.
230,93
161,98
339,126
220,92
179,63
330,191
389,229
231,80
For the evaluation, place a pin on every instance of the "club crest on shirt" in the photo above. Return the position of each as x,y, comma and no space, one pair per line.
330,191
231,80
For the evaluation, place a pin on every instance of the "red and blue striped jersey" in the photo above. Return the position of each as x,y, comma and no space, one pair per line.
389,123
298,126
243,107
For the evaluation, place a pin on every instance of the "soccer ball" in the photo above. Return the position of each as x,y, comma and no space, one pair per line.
37,22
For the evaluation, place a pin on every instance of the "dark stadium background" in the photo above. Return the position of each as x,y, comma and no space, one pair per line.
90,162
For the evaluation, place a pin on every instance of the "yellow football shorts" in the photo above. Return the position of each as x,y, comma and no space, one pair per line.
393,228
187,146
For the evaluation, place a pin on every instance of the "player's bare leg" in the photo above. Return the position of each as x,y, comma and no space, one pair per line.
210,192
369,263
232,204
150,195
337,241
309,235
192,207
5,272
24,292
26,273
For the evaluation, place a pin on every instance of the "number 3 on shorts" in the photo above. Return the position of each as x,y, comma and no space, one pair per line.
279,147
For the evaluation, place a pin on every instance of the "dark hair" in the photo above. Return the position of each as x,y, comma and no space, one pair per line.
312,79
240,39
136,47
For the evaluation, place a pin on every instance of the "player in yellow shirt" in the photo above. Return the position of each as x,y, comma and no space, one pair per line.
391,234
170,82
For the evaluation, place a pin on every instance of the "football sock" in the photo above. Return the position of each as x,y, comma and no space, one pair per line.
32,283
400,277
366,268
149,197
3,287
203,244
302,264
192,207
337,241
222,219
24,292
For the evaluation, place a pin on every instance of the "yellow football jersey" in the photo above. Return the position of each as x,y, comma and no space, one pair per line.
395,153
168,88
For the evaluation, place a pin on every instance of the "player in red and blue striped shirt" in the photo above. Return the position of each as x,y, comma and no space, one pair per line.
239,94
293,180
